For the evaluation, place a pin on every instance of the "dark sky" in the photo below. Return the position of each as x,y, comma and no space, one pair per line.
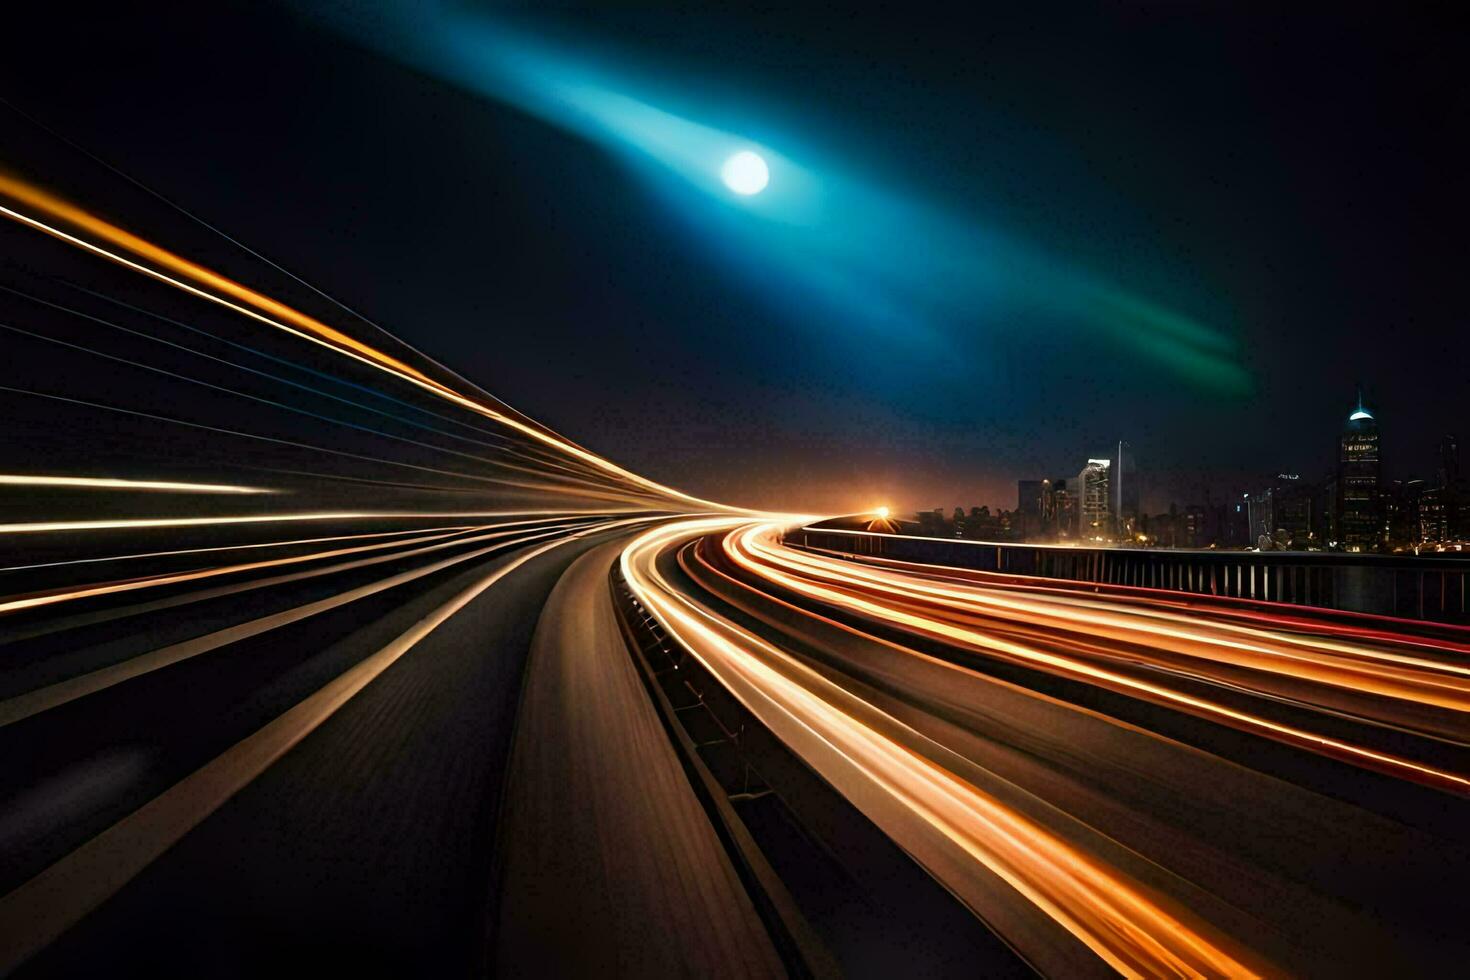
1296,179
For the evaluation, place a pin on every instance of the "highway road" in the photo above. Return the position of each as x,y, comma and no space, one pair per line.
1147,783
322,788
270,585
610,865
429,750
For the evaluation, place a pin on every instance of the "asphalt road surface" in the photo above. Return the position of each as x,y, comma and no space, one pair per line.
364,841
427,749
1140,782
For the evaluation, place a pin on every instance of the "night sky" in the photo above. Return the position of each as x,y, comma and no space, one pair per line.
1296,181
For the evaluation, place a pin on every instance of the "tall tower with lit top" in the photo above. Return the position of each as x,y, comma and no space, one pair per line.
1359,482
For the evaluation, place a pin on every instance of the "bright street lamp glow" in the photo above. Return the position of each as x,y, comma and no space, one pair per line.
882,512
745,173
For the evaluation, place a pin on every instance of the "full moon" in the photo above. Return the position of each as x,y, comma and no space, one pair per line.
745,173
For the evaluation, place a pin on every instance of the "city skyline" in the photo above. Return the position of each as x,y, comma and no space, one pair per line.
1351,506
1419,462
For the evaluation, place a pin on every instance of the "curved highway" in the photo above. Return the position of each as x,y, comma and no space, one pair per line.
300,658
1139,782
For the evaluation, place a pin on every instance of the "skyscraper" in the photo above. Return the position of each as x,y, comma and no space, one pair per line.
1029,495
1094,502
1403,503
1033,503
1359,482
1064,509
1450,499
1124,479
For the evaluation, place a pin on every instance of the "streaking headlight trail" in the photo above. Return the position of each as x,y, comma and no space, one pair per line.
928,810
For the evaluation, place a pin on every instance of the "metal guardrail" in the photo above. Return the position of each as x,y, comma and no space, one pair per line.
1434,588
783,824
708,728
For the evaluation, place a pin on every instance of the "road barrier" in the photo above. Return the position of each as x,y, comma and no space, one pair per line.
1422,587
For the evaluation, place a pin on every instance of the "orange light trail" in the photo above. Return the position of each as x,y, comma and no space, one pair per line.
1351,666
209,285
863,752
255,546
40,910
879,595
194,575
45,698
1223,611
140,523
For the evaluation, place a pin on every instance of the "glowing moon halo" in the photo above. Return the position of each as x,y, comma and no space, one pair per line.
745,173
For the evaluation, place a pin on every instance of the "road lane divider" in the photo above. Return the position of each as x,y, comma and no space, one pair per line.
54,695
39,911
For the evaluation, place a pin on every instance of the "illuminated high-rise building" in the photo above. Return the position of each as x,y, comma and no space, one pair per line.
1359,483
1094,501
1448,503
1403,506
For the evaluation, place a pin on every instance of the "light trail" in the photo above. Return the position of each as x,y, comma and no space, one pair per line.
586,486
65,211
1194,635
846,586
51,696
114,483
534,453
504,441
869,757
355,314
1222,610
136,556
35,914
43,527
609,494
282,317
199,574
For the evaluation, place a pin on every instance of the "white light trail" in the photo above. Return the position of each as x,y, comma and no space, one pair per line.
925,808
305,327
113,483
41,527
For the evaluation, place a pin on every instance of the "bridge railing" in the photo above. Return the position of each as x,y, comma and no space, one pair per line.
1423,587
